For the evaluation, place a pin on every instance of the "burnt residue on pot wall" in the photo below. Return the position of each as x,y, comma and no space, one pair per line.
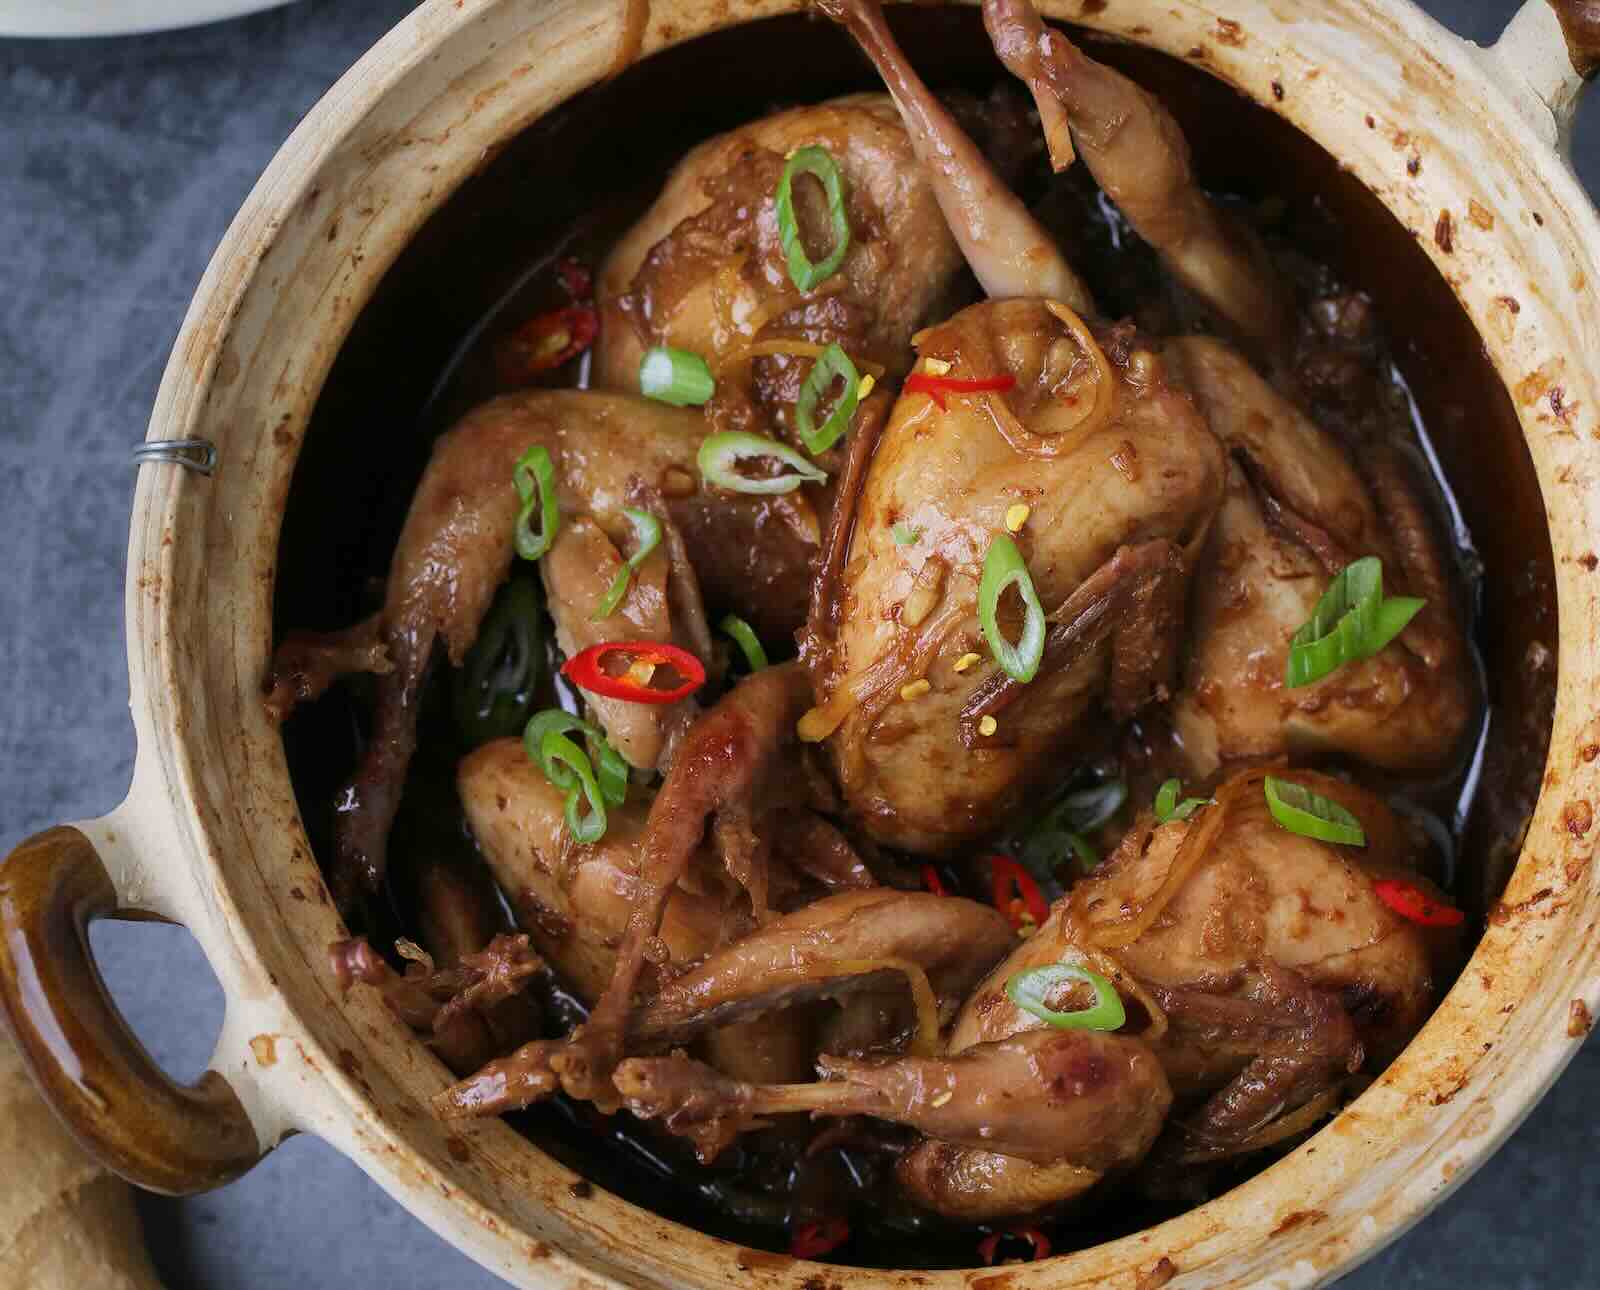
570,184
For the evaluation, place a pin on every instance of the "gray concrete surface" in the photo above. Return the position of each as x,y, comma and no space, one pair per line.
121,164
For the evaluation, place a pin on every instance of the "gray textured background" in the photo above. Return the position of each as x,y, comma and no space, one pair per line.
121,164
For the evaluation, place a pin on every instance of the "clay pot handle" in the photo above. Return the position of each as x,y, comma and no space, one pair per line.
1552,47
90,1068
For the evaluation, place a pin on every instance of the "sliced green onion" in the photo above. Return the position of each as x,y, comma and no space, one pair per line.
1002,568
1028,990
831,365
555,749
721,453
904,534
675,376
1168,807
1393,616
535,478
812,161
497,684
1311,815
747,640
646,538
1352,621
609,768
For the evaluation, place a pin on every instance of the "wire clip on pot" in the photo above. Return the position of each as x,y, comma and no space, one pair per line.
198,455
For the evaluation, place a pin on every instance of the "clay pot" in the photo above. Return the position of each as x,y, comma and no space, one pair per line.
1461,145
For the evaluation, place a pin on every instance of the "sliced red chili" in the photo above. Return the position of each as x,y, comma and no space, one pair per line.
813,1240
1029,900
546,343
936,387
1410,901
633,681
1037,1241
932,882
576,280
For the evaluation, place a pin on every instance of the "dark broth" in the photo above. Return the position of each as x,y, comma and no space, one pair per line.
418,357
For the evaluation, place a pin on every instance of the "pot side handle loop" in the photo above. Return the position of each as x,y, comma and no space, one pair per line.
90,1067
1553,48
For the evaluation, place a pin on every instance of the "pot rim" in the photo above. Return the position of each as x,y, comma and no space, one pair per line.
1447,1111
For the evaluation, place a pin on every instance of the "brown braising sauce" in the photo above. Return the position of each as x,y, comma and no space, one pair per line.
421,354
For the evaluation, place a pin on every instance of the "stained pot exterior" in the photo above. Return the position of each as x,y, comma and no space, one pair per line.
210,835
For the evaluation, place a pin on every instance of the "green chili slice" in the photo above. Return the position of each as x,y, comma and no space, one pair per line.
1311,815
1062,828
819,162
1351,621
1029,990
1002,568
744,636
1088,808
535,480
675,376
721,454
831,365
555,749
493,692
646,538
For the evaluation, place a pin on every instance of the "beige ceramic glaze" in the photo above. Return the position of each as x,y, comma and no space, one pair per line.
211,836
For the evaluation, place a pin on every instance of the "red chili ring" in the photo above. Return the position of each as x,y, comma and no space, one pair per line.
1008,874
546,342
813,1240
586,671
936,387
932,882
1411,902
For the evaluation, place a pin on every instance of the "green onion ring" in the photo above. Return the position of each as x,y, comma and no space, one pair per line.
1002,568
720,453
1351,621
904,534
1311,815
816,161
646,537
610,770
675,376
535,478
754,653
555,749
1028,990
832,364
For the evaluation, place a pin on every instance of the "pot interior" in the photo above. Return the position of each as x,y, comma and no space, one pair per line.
573,182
